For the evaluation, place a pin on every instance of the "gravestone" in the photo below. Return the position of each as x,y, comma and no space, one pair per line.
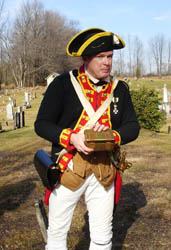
33,95
166,104
165,94
26,97
17,123
1,130
23,118
13,101
10,113
169,129
19,109
19,118
27,101
6,92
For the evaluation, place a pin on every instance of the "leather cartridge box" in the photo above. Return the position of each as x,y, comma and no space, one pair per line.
99,141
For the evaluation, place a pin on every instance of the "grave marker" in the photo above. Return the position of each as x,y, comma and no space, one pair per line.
166,105
1,130
10,113
27,101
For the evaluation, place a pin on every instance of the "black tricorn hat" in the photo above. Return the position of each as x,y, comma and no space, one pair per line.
93,41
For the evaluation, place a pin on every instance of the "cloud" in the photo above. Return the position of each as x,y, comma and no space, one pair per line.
161,18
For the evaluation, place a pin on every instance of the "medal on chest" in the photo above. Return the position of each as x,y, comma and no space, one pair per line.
115,107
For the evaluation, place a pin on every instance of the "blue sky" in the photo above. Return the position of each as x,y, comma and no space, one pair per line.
142,18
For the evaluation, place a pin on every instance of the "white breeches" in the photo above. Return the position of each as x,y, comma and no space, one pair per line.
100,205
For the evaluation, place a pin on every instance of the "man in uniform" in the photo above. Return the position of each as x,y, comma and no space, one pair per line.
60,119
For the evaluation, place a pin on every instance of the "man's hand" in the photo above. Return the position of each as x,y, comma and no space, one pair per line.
78,141
98,127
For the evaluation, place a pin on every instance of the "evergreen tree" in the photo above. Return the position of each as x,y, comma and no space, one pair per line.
146,103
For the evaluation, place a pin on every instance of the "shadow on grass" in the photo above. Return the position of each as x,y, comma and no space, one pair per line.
11,196
13,162
132,199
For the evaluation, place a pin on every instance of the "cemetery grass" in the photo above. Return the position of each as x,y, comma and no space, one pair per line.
142,219
153,82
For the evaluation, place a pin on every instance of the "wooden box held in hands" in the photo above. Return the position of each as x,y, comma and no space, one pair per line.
99,141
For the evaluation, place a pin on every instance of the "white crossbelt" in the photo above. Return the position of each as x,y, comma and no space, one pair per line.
94,116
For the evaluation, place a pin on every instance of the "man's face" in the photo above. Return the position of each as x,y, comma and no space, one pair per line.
100,65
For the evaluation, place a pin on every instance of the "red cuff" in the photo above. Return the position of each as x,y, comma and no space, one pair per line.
64,138
117,138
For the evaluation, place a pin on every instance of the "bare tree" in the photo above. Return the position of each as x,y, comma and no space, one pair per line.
57,33
134,58
157,45
118,67
169,58
130,55
138,57
37,44
3,22
25,41
150,63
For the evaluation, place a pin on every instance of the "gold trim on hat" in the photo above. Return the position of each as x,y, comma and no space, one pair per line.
75,53
90,40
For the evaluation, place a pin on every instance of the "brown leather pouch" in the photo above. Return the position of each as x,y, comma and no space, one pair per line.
99,141
119,160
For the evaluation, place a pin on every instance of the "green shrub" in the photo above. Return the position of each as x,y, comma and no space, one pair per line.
146,103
